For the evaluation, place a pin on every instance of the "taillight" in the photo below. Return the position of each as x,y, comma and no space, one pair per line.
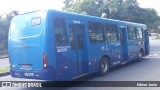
45,62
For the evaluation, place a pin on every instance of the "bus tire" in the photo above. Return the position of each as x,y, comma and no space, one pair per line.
140,55
104,66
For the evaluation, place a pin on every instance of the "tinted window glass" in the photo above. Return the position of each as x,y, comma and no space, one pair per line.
25,27
72,37
111,32
96,32
131,33
139,33
76,35
60,31
107,29
79,37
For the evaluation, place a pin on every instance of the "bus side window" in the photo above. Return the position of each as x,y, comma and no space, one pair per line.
114,33
96,31
80,38
72,37
139,33
107,29
111,32
131,33
60,32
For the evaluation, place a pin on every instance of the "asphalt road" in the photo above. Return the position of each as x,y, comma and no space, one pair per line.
146,70
4,62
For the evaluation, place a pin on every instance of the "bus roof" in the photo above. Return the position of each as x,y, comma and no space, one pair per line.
91,18
79,16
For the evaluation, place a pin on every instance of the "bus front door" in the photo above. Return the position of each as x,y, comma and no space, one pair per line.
147,46
124,43
77,49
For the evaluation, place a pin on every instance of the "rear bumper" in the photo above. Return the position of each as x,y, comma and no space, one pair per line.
49,74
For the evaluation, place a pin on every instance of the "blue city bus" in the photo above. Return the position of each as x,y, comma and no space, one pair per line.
60,46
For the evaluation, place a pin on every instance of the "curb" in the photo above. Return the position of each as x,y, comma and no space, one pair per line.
4,74
3,57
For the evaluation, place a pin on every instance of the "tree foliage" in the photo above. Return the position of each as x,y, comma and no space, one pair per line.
126,10
5,20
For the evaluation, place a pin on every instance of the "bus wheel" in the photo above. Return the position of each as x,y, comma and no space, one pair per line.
140,55
104,66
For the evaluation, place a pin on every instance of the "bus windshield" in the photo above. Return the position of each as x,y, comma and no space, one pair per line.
25,26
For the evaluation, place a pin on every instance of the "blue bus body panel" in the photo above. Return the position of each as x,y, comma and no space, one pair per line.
26,43
64,63
26,47
49,74
59,59
95,51
147,45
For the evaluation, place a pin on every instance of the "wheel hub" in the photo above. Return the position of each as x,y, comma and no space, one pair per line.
104,66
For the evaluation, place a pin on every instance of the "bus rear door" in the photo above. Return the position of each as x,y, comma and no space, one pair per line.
133,49
147,46
77,54
124,44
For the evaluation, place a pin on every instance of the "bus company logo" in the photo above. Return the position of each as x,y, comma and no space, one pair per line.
6,84
76,21
17,74
104,48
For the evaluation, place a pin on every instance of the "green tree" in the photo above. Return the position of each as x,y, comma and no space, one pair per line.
4,28
87,7
126,10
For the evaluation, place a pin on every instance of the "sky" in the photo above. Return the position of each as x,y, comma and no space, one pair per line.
31,5
150,4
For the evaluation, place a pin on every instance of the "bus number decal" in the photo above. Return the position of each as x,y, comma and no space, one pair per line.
62,48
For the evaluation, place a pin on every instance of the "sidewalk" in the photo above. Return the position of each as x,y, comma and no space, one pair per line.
4,63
